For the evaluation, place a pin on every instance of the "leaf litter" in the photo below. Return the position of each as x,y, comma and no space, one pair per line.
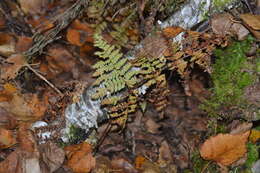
151,142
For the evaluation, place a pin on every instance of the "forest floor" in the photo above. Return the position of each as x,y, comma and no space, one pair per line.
201,115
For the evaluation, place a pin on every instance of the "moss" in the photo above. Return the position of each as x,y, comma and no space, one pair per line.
200,165
252,154
76,135
219,5
230,77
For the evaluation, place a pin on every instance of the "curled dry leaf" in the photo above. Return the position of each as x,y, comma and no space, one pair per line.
225,148
80,158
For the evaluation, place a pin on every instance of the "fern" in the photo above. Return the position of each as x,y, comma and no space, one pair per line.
116,74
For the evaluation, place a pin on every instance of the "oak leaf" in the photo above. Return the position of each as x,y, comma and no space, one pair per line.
225,148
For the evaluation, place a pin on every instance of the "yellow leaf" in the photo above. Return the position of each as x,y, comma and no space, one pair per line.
254,136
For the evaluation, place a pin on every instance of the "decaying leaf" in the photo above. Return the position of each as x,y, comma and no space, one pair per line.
52,155
123,165
253,23
12,66
7,42
80,158
225,24
225,148
6,138
7,120
79,33
32,6
24,107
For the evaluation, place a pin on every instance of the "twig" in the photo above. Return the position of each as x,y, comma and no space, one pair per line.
44,79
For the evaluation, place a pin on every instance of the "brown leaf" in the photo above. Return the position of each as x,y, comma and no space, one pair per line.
152,126
123,166
32,6
25,158
59,60
52,155
171,32
225,148
253,23
6,138
23,44
165,154
223,24
11,68
26,107
7,42
80,33
7,120
81,160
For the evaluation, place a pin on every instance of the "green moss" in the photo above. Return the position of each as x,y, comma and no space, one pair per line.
221,4
252,154
199,164
229,77
76,135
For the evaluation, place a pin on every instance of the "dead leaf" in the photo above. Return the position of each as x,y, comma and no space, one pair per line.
23,44
25,158
10,69
7,43
171,32
59,60
253,23
7,120
224,24
6,138
224,148
52,155
103,165
32,6
79,33
152,126
123,165
26,107
241,128
165,155
80,158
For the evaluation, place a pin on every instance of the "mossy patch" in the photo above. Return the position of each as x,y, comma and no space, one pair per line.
219,5
230,76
